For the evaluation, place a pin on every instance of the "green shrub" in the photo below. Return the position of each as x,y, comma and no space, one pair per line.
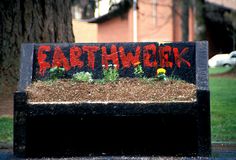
110,74
83,77
138,71
56,72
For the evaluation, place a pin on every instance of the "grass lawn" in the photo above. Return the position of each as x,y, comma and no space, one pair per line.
223,107
6,129
223,110
218,70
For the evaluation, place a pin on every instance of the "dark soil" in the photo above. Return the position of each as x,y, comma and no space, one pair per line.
123,90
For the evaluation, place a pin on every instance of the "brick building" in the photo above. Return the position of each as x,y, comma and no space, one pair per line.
155,21
162,21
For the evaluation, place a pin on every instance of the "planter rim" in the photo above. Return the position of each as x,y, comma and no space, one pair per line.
112,102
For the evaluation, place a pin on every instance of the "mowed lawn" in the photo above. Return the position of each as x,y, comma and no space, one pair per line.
223,106
6,129
223,110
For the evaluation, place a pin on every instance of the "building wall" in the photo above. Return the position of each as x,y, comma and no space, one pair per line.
85,32
231,4
177,31
156,21
116,29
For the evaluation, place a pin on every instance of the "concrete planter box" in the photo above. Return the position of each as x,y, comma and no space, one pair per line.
110,128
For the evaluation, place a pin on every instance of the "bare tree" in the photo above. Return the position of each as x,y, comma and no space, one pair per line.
200,24
230,19
29,21
199,10
185,16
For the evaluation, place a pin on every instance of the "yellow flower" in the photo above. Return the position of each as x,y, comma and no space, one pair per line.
161,71
136,63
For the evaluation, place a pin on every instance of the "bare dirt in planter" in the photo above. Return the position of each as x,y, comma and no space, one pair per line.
123,90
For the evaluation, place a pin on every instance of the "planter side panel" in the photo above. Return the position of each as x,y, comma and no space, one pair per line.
203,99
204,123
20,115
26,66
96,135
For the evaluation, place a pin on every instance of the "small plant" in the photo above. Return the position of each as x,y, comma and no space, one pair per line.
56,72
83,77
110,74
138,70
173,77
161,74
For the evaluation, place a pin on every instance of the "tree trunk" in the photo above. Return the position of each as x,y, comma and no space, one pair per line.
185,16
200,25
29,21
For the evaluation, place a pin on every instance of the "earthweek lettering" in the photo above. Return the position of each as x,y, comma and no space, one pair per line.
118,55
